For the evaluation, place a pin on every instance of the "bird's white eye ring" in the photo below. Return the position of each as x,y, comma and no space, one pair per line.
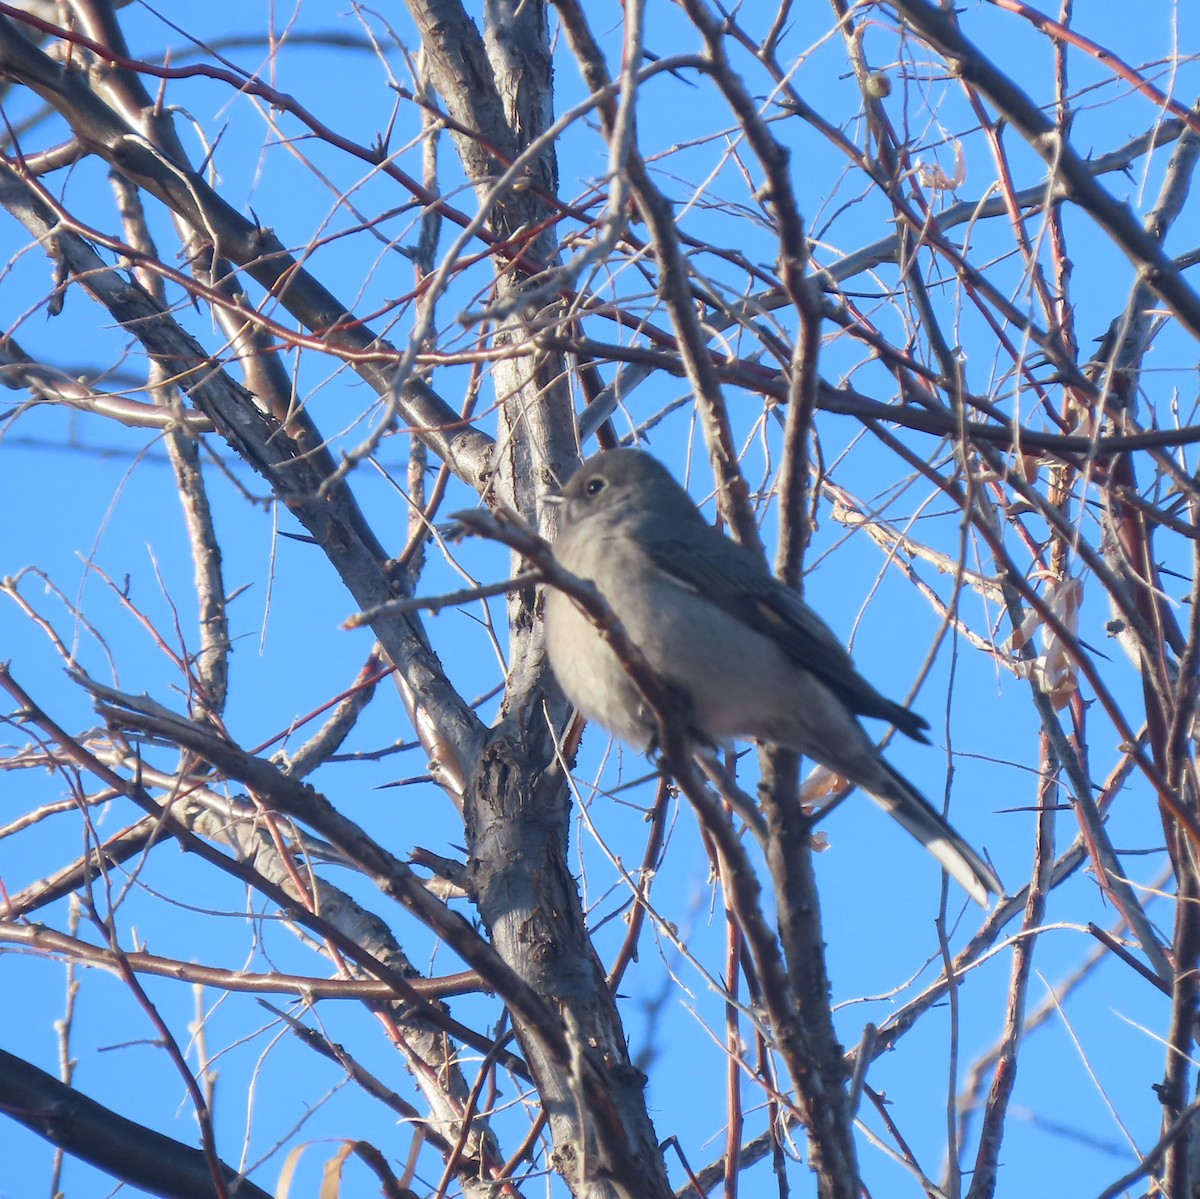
594,486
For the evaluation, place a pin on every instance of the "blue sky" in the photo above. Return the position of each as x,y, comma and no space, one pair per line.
80,494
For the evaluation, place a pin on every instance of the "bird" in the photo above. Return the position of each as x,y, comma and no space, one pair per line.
746,654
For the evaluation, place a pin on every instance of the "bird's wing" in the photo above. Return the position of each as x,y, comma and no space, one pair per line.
740,584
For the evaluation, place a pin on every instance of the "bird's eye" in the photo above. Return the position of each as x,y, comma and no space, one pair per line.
594,486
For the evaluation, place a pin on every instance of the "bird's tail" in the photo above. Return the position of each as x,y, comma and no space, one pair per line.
897,796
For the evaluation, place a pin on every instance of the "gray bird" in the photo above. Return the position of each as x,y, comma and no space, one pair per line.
749,656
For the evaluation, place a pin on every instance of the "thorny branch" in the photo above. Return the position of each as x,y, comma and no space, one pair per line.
838,276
